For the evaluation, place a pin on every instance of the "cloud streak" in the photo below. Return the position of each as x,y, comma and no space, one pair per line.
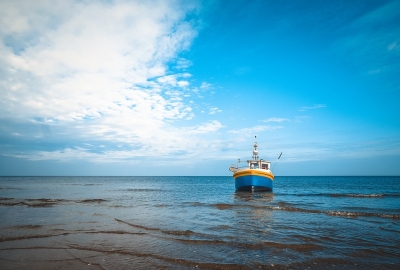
275,119
255,129
316,106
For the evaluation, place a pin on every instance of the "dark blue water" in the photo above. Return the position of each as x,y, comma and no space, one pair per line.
198,222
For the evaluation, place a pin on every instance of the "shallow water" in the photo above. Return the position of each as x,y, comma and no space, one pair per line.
198,222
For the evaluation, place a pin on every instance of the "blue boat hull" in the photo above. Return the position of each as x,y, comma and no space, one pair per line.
253,183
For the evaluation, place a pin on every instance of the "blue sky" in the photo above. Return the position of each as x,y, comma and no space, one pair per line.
182,87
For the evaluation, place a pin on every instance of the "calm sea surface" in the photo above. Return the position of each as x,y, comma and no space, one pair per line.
199,222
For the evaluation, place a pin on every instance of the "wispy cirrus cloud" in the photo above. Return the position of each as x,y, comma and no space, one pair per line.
301,118
371,41
214,110
208,127
322,150
205,85
316,106
253,130
393,46
275,119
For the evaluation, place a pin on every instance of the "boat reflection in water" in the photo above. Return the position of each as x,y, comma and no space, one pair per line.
257,197
257,207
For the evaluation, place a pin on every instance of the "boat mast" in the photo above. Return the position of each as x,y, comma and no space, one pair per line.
255,151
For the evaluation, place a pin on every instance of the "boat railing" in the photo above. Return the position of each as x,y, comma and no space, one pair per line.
240,168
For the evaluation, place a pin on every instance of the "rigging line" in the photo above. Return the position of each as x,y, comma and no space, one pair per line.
276,162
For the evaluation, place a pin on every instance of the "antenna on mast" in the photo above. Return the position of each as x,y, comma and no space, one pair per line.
255,151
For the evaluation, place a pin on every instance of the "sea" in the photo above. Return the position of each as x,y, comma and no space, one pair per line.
199,223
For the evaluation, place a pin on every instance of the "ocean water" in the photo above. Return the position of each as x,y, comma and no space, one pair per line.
199,223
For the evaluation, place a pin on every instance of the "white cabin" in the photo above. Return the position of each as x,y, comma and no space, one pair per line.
254,163
259,164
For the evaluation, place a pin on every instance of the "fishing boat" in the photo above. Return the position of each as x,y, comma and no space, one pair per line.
256,176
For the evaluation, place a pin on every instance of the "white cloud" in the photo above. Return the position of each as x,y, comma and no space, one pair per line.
316,106
173,80
183,63
393,46
317,150
275,119
214,110
129,148
300,118
183,83
98,71
376,71
209,127
205,85
242,70
254,130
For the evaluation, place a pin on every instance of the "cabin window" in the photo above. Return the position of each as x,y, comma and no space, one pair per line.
265,166
254,166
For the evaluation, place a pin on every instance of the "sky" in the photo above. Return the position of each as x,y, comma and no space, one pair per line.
182,87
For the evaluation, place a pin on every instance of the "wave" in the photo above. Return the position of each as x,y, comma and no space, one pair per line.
91,201
186,237
142,190
179,262
64,233
222,206
161,205
287,207
26,237
29,202
354,195
195,238
125,258
362,214
170,232
307,247
378,195
389,230
44,202
334,212
28,226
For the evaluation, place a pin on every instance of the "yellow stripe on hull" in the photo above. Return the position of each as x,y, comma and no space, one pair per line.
253,172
